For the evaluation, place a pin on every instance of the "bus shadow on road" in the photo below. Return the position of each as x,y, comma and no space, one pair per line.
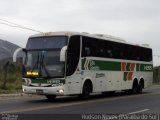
69,99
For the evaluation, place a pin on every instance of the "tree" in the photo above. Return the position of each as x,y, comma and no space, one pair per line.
5,68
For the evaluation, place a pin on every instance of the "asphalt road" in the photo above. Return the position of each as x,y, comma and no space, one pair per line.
118,104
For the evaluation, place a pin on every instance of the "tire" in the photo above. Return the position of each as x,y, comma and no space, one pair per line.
135,88
51,97
140,87
87,89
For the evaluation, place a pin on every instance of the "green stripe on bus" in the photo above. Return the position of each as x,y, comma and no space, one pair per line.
89,64
137,66
146,67
109,65
100,65
45,81
128,67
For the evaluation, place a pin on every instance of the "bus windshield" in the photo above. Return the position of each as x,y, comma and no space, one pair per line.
52,42
43,57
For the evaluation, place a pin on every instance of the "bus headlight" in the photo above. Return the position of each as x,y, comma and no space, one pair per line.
23,90
61,91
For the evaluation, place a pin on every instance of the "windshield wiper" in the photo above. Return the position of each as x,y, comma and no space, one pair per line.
43,66
36,64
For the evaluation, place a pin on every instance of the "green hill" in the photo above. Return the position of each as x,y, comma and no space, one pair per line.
10,73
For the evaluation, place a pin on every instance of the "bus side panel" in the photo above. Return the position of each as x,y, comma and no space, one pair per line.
112,81
100,81
73,84
148,79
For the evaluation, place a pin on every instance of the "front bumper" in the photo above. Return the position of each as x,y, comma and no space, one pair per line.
58,90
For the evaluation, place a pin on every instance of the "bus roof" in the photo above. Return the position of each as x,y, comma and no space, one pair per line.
98,36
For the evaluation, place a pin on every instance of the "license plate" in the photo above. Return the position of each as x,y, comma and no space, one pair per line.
39,91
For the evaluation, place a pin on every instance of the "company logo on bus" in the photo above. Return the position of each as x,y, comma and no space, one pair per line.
90,65
147,68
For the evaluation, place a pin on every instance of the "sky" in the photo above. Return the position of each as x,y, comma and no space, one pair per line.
136,21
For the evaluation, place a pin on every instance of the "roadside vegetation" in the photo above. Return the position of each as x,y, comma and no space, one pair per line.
10,77
156,75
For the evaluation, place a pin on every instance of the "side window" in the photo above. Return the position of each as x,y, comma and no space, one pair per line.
146,54
128,52
142,55
73,54
149,54
87,51
116,50
121,51
109,49
91,47
87,47
101,49
137,53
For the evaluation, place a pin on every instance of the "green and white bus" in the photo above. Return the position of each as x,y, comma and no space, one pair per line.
72,63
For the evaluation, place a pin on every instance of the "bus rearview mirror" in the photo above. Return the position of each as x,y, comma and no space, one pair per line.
63,54
15,54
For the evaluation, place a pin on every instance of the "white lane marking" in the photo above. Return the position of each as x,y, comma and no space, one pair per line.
121,116
137,111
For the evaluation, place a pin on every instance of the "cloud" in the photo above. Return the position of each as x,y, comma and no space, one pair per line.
137,21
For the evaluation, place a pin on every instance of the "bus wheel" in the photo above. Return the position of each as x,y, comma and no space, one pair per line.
87,89
51,97
135,87
140,86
